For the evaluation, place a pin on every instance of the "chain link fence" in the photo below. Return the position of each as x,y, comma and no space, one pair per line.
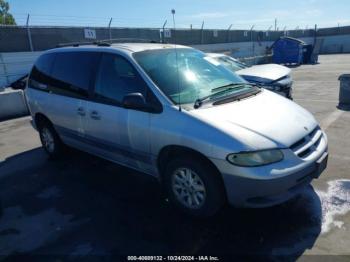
38,38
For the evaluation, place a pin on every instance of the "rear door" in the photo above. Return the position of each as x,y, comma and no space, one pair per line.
72,77
117,133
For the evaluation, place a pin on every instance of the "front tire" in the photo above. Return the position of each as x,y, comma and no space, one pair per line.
50,140
194,187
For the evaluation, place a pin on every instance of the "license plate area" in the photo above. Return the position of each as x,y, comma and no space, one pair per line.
321,165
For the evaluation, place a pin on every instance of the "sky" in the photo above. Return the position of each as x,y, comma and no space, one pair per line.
219,14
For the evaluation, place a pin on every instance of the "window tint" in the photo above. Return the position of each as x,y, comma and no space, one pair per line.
73,72
39,77
116,78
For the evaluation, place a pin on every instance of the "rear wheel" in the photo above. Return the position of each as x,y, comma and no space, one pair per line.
194,187
50,141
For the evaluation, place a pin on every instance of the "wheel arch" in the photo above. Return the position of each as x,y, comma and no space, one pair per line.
40,119
171,151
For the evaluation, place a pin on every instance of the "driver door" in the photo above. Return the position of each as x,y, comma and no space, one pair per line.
114,132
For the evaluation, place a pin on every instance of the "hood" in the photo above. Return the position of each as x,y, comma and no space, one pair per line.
260,122
271,72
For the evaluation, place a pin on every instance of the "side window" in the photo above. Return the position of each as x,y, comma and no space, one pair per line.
39,77
116,78
73,73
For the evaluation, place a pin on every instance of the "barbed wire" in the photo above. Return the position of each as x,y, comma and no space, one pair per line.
184,23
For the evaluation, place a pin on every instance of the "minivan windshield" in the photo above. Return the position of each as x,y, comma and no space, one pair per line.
186,75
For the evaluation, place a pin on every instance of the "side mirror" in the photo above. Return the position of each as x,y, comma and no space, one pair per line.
134,101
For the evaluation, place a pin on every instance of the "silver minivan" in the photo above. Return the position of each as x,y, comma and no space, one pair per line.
174,113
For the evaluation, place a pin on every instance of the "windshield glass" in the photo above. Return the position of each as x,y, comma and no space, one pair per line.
230,63
192,77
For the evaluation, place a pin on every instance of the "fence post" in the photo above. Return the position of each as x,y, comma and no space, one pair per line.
202,32
110,30
275,24
162,35
29,35
228,33
315,35
251,40
268,33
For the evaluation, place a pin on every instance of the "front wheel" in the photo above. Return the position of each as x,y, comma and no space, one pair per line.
194,187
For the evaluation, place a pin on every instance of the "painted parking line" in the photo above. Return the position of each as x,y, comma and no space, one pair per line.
330,119
316,100
342,157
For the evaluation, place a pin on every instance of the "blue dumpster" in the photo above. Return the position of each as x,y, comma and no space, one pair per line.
288,50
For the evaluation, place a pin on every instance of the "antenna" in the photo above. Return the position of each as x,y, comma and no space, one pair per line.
176,59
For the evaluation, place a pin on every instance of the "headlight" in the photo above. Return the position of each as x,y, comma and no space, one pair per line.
254,159
273,88
285,81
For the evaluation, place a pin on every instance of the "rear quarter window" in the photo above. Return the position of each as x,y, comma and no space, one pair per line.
40,74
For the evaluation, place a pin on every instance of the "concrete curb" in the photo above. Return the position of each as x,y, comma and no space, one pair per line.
12,104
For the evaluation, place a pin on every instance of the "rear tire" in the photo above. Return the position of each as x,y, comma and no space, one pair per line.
50,140
194,187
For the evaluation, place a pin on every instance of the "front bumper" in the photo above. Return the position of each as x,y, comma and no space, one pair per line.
273,184
245,192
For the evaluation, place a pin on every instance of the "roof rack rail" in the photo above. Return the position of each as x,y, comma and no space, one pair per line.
108,42
76,44
128,40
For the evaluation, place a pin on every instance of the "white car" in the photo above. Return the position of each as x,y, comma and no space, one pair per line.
274,77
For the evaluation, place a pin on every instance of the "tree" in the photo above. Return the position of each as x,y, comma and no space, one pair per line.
5,17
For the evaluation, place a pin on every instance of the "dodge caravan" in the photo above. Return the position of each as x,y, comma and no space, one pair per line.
174,113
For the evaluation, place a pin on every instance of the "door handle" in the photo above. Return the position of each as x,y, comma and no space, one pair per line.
81,111
95,115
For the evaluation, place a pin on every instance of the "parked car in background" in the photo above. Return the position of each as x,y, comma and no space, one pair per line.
273,77
20,83
176,114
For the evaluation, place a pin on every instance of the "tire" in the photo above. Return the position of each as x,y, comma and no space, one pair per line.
50,140
204,197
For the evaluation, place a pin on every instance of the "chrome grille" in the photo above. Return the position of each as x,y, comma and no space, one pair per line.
308,144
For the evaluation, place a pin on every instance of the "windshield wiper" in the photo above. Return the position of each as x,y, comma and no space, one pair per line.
198,103
229,85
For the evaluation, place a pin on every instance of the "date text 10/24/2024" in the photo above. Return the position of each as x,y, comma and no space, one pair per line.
173,258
